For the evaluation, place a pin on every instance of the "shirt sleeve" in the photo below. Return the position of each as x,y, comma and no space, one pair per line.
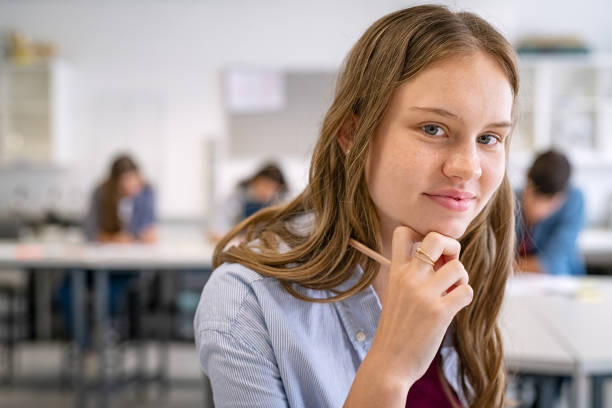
240,376
234,344
557,252
143,216
149,216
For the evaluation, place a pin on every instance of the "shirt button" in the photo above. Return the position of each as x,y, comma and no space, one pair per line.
360,336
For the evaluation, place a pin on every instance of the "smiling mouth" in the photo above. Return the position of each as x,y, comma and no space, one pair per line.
459,204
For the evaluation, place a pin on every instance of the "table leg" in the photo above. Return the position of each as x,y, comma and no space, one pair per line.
102,330
8,293
43,303
141,352
546,391
597,384
79,328
580,389
12,333
168,294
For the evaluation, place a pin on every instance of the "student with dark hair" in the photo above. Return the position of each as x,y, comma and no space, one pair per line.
266,187
550,218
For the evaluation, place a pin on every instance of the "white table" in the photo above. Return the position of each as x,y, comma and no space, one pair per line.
560,326
165,255
528,346
101,258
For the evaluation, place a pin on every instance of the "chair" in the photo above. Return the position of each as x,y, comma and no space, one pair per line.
13,318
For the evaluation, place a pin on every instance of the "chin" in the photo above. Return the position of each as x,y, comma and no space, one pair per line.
453,229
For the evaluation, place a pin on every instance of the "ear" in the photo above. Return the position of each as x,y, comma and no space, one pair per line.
346,134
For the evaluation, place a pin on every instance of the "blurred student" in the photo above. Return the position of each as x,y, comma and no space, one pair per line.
122,208
550,218
264,188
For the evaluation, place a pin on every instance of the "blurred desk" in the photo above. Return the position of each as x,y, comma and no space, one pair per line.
528,346
596,246
166,256
560,326
101,258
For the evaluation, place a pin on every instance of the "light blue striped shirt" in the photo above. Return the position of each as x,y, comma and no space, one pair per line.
261,347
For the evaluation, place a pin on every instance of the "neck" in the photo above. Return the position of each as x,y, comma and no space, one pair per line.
386,238
380,282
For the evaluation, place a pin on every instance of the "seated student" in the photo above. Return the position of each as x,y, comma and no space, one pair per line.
264,188
550,218
122,210
411,154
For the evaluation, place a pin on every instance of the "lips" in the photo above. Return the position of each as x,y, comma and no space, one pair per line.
451,199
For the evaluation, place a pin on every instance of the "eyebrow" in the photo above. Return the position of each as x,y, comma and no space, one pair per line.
448,114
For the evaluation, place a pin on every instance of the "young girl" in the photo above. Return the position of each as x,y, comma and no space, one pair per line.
122,208
411,163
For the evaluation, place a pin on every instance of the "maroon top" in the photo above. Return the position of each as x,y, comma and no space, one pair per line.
428,391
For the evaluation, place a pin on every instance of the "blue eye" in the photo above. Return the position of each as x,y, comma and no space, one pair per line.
488,139
433,130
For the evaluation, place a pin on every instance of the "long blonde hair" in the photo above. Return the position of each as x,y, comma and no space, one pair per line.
393,50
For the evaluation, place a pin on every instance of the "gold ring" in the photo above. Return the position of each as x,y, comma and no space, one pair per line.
424,256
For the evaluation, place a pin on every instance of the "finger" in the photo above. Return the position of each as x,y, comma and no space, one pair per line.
450,275
437,264
436,245
458,298
401,245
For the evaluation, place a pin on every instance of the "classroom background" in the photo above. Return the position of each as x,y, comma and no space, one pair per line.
201,94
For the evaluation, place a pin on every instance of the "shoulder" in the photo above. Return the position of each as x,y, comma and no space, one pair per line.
574,194
574,201
240,304
231,291
147,191
146,195
236,296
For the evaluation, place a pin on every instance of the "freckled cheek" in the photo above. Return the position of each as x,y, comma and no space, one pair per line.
392,183
492,175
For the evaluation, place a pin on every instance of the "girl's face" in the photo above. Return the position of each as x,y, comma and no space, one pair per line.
130,183
263,189
537,206
438,154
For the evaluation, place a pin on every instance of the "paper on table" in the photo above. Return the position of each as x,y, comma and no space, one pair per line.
531,284
580,288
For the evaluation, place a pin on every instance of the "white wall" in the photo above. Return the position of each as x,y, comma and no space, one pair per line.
145,73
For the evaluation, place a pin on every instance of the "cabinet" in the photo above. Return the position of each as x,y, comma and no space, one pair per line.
33,113
565,102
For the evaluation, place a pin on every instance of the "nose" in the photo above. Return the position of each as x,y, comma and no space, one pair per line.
463,163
